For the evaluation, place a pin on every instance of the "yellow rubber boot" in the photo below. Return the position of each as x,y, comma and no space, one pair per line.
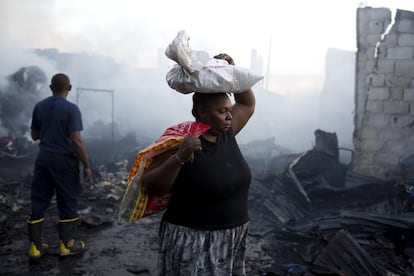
37,249
68,246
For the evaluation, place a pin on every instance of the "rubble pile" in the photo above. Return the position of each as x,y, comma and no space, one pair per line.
333,221
309,215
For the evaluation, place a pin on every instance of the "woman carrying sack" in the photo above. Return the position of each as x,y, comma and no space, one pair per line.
204,228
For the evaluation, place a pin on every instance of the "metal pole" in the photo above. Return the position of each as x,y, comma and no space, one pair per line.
113,134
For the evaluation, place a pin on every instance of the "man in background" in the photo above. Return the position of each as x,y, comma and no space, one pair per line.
57,124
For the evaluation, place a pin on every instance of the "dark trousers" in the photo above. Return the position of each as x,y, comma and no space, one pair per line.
55,173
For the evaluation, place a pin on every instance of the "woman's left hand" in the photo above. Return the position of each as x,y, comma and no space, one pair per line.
187,148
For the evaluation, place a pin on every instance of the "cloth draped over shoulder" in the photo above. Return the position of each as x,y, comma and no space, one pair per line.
136,202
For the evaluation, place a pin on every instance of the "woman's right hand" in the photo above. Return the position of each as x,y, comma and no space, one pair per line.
189,145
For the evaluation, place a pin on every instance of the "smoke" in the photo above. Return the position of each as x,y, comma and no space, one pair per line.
125,55
138,100
23,82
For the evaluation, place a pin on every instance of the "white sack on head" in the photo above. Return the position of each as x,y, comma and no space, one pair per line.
179,51
195,71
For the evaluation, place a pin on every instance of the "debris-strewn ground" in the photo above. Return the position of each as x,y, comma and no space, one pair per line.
309,215
114,247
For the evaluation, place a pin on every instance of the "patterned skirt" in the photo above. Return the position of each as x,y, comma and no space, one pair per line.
185,251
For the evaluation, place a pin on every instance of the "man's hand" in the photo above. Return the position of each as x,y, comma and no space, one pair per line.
87,174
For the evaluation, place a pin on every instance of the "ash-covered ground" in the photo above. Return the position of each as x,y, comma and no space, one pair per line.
310,215
113,247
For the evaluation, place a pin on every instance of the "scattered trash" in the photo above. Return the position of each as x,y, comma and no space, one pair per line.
92,220
85,211
309,214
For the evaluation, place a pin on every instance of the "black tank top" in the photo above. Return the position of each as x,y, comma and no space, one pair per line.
211,192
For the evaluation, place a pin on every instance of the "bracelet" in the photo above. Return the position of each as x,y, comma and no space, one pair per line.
179,160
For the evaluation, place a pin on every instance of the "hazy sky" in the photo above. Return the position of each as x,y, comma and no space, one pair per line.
132,31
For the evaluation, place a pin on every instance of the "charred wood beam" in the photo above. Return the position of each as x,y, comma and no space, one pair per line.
344,256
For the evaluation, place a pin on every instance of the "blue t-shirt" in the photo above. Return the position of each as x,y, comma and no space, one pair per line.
55,119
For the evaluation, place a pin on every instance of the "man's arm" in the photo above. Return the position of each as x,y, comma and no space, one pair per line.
80,150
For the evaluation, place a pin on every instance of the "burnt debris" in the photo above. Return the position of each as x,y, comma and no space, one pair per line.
310,213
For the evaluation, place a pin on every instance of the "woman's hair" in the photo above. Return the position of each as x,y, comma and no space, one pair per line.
226,57
203,99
